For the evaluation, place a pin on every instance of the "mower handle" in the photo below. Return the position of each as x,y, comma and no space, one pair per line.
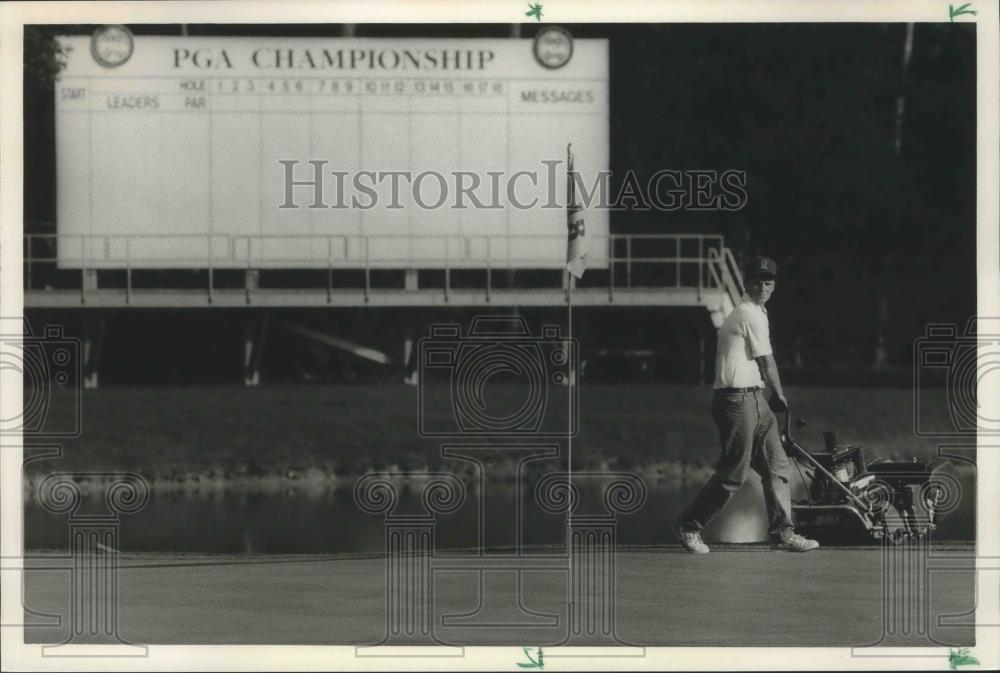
788,423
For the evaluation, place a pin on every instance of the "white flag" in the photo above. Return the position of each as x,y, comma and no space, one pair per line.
576,244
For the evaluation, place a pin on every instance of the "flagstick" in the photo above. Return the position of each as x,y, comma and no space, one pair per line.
572,381
570,202
569,436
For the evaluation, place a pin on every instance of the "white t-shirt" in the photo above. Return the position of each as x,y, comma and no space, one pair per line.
744,335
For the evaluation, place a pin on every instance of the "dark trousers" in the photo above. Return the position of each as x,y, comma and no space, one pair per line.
748,432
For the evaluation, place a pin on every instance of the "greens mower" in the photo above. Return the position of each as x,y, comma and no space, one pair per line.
851,501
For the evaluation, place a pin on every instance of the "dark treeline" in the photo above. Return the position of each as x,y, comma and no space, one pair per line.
871,238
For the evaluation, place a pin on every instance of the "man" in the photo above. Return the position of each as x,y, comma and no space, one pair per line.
748,430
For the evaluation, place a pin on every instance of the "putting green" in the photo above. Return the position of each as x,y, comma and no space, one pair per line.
736,595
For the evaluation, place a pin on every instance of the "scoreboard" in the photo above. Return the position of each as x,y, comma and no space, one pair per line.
280,152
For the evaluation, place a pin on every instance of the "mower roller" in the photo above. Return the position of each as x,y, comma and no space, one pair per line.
851,501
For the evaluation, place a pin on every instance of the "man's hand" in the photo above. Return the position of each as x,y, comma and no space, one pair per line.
769,372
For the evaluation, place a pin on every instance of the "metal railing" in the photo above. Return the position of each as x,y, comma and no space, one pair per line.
619,262
726,273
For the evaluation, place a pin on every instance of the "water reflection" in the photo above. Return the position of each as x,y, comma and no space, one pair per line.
330,522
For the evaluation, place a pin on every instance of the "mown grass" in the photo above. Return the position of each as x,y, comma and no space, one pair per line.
232,432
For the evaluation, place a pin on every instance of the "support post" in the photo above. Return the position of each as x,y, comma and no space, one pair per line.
211,269
88,284
94,327
611,269
329,270
254,335
410,374
368,270
251,280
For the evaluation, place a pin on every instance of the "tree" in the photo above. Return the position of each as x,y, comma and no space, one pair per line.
44,58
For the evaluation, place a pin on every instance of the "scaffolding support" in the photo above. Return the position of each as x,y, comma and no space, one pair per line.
94,328
254,336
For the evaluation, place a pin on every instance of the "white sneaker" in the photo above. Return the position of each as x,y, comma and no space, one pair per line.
691,540
797,543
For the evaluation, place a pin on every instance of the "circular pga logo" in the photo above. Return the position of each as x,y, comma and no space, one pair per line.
111,45
553,47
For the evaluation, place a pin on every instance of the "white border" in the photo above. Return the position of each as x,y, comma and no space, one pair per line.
13,16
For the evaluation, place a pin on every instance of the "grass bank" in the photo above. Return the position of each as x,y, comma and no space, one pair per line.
315,433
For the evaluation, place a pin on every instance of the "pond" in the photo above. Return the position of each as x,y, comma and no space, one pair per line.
329,521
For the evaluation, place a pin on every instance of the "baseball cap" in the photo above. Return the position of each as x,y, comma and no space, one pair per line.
761,266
